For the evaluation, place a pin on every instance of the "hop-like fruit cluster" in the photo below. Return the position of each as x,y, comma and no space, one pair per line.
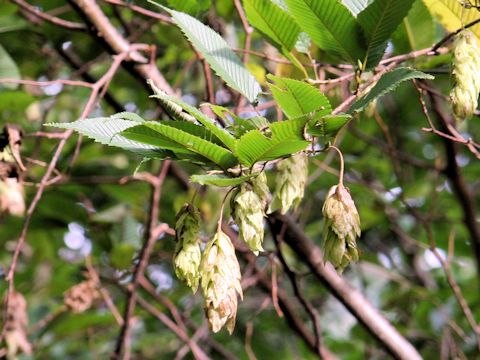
248,212
187,253
16,323
290,183
341,228
80,298
220,282
11,196
466,68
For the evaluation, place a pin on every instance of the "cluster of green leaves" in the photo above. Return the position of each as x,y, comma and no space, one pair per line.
355,31
244,142
192,136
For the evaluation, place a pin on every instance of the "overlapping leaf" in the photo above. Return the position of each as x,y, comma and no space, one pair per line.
219,180
220,133
272,21
452,15
107,131
218,54
327,127
255,146
297,98
213,152
330,25
378,21
356,6
418,21
281,139
387,83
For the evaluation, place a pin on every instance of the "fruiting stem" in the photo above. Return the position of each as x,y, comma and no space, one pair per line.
219,225
342,165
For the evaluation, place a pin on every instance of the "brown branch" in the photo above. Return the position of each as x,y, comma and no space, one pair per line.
466,198
163,18
309,308
357,304
198,353
462,302
48,17
102,29
454,135
152,233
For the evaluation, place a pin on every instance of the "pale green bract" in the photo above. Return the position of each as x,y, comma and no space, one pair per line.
187,253
220,282
290,183
248,213
217,53
341,228
466,68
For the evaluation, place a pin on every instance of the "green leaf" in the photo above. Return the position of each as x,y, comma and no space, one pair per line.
8,69
330,25
211,151
327,127
387,83
378,21
192,7
356,6
224,136
15,100
297,98
217,53
128,116
147,135
254,146
272,21
219,180
243,126
107,131
286,138
418,21
289,129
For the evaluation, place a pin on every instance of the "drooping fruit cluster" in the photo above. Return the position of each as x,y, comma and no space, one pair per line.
466,68
217,269
290,183
187,253
341,228
248,211
16,323
220,282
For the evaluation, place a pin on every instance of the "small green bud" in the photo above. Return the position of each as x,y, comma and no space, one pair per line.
248,214
220,282
341,228
290,183
466,68
187,253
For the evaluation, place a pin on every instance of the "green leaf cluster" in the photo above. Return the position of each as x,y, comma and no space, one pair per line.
356,31
233,149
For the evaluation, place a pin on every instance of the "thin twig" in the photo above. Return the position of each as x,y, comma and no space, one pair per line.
152,233
48,17
309,308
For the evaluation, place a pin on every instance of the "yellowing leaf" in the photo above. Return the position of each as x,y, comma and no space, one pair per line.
258,71
452,15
